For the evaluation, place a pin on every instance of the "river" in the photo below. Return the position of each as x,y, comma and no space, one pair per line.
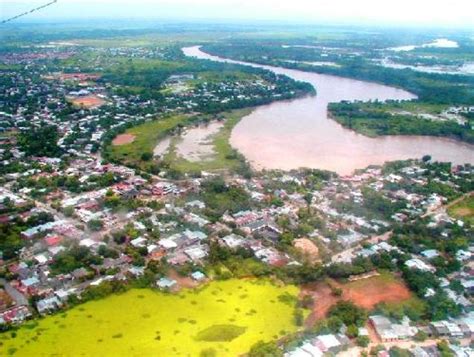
298,133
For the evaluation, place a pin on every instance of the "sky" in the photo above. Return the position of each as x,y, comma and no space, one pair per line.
452,13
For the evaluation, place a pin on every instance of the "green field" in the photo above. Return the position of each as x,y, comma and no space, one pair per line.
463,210
146,138
148,134
227,317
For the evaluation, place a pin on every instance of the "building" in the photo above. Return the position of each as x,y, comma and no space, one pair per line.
388,331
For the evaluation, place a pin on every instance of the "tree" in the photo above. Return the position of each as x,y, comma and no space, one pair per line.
299,317
443,348
363,341
308,197
420,336
42,141
265,349
348,313
95,225
352,331
146,156
68,211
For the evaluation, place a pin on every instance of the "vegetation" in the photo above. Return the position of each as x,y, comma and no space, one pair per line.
348,313
224,156
74,258
42,141
146,137
373,119
464,210
239,312
220,198
139,153
220,333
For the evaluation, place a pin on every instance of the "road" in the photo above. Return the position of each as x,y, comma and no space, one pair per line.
19,298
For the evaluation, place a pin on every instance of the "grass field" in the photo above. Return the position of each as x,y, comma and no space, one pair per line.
147,135
464,210
226,316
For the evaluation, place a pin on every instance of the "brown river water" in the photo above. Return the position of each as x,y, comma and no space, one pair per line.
298,133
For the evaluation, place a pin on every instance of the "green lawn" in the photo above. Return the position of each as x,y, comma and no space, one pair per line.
225,316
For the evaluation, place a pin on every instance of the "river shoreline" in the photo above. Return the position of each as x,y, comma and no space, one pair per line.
299,133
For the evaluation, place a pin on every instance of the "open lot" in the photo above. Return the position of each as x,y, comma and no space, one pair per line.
90,101
226,316
366,293
123,139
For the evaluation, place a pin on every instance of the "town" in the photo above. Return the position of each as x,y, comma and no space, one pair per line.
77,226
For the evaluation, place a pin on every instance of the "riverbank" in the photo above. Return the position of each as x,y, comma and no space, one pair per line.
299,133
221,155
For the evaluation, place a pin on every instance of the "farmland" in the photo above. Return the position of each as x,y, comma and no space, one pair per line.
227,317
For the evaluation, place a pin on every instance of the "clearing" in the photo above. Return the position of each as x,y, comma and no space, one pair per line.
366,293
90,101
123,139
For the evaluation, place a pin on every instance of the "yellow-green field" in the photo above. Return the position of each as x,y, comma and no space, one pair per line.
226,317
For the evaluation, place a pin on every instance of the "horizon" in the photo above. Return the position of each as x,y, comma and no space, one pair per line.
365,13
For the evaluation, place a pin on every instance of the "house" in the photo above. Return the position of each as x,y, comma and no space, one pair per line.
138,242
468,285
426,351
198,276
446,329
168,243
233,241
136,271
15,315
388,331
196,253
196,204
165,283
48,305
416,263
430,253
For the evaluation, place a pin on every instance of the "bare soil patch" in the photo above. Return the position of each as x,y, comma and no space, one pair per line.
123,139
307,247
90,101
366,293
